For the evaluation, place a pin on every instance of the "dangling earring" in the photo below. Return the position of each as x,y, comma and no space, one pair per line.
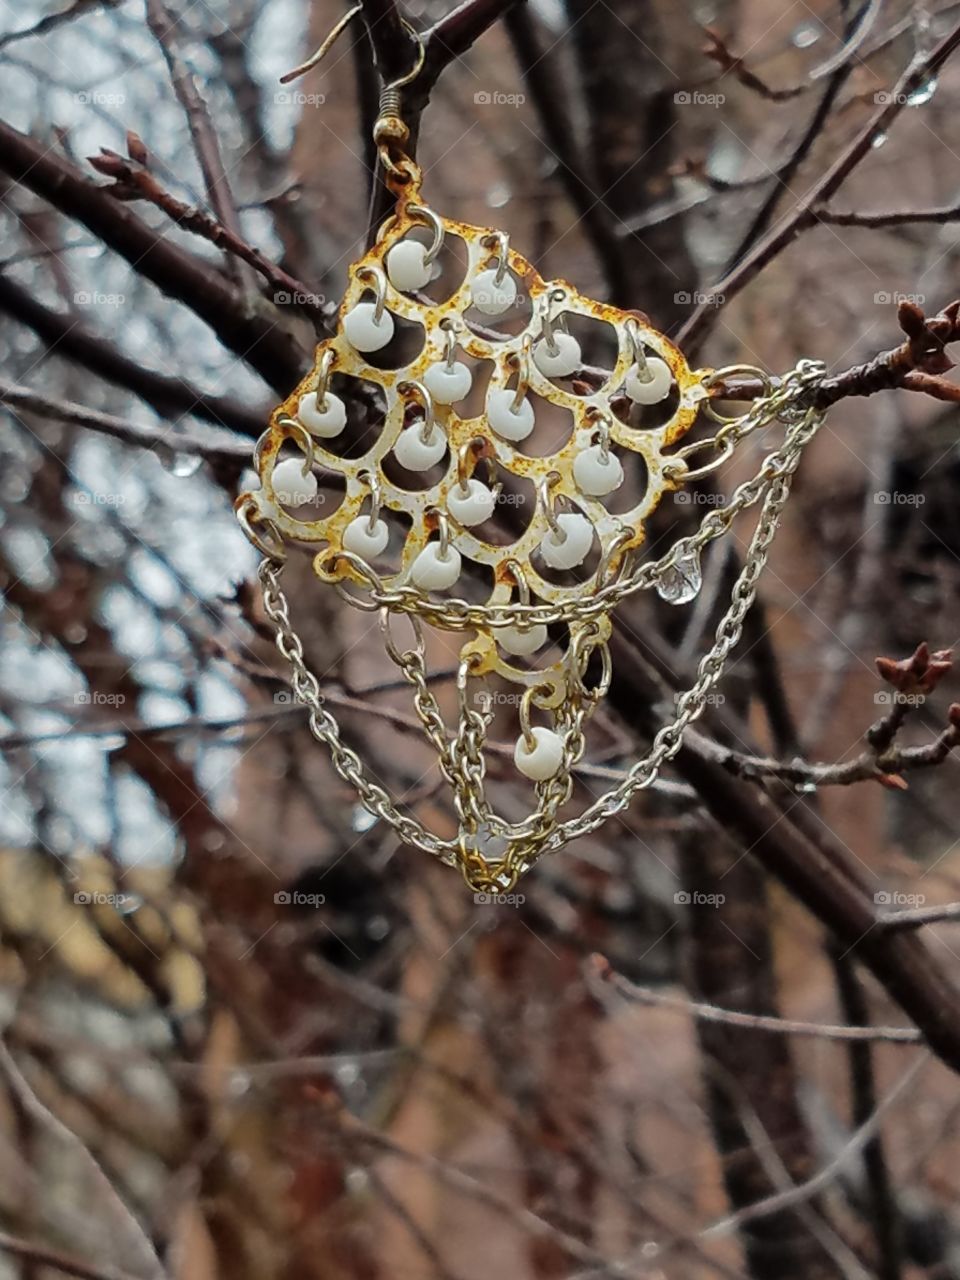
538,631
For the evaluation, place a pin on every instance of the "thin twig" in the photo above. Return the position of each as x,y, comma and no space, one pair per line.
820,192
599,974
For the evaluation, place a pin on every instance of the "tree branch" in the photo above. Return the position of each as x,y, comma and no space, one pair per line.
802,215
255,334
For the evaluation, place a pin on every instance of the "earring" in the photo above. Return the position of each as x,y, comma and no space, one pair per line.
544,628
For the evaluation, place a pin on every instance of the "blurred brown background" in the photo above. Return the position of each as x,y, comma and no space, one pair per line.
248,1036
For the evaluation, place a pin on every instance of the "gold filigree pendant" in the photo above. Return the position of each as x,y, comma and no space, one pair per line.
430,527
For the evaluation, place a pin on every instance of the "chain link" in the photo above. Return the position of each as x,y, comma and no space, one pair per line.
461,756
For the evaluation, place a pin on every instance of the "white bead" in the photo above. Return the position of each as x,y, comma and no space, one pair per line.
447,386
406,268
322,422
596,475
503,420
362,329
417,454
290,485
431,572
522,641
654,386
490,298
574,547
543,761
561,363
363,541
472,507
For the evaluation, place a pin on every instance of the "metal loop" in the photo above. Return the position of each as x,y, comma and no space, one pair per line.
636,349
379,286
548,320
501,241
370,477
451,330
327,361
715,376
303,438
417,389
544,485
270,542
521,363
424,214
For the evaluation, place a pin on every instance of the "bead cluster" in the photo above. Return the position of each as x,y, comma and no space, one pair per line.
434,422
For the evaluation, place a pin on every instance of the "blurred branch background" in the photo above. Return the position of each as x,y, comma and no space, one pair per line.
246,1036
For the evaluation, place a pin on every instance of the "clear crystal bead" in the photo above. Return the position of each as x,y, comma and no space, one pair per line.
680,584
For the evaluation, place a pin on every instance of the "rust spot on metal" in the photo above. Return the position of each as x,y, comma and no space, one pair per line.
501,351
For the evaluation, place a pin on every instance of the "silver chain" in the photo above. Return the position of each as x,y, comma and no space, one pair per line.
461,758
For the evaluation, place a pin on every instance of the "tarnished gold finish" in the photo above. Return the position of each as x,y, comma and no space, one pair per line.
569,671
504,352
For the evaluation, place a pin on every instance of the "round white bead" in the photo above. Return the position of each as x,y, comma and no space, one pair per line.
364,331
325,422
473,506
447,386
522,641
431,572
503,420
566,359
653,386
290,485
406,268
596,475
543,760
363,541
573,548
417,454
490,298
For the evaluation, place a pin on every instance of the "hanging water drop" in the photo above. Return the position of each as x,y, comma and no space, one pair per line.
878,141
361,819
490,844
680,584
806,34
185,464
923,92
